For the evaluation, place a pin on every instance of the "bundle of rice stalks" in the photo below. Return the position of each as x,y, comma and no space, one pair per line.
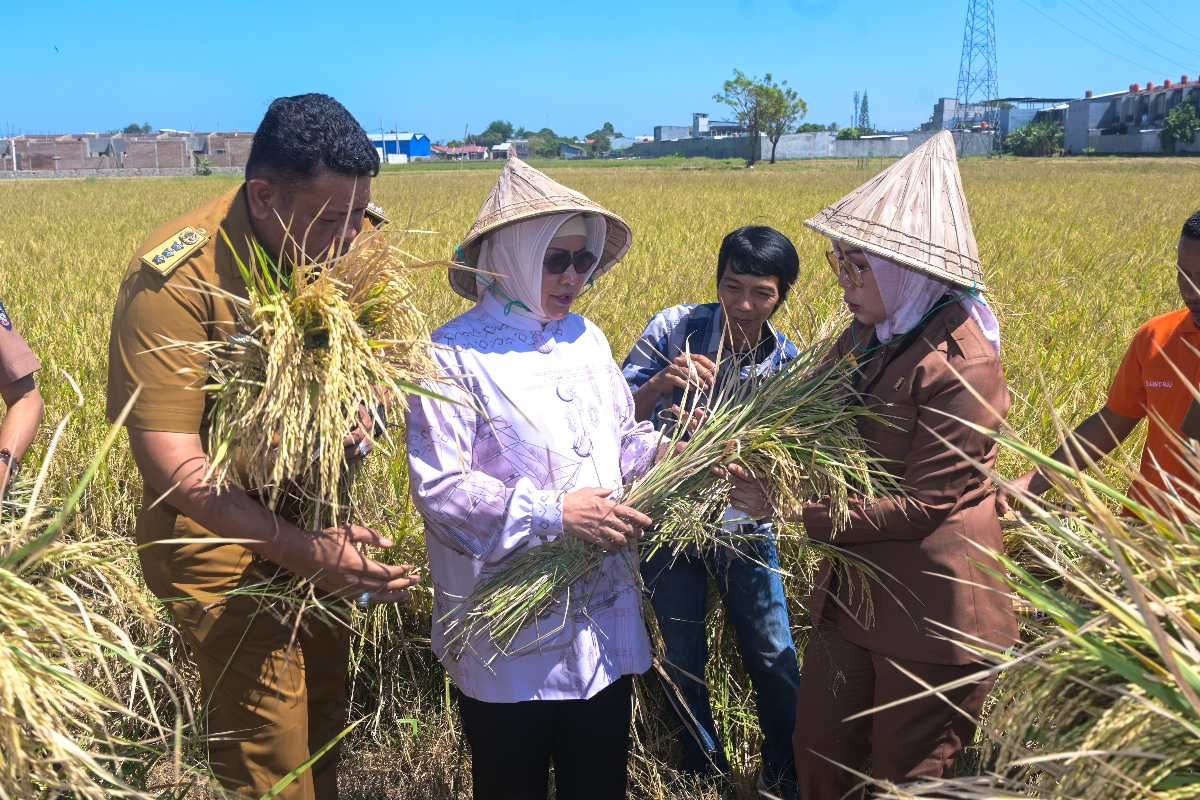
79,699
1103,699
795,429
322,348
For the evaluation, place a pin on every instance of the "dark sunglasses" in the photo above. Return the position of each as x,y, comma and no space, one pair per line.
557,261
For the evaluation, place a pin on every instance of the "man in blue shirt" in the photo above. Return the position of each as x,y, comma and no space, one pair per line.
695,351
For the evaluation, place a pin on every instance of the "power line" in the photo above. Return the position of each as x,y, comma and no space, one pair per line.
1165,18
1095,16
1188,49
1088,39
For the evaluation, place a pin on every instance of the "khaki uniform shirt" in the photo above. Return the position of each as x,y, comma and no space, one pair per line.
192,303
17,361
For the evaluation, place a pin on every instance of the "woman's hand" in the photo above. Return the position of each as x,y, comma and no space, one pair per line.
747,493
589,515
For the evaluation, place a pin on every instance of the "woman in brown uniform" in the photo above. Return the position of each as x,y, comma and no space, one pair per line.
927,348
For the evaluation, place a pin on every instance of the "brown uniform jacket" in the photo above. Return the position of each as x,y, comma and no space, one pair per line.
926,545
193,303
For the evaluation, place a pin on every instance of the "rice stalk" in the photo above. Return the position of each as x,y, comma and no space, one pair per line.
1101,701
321,348
795,429
79,699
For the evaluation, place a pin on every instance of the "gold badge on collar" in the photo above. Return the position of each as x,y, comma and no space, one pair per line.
164,258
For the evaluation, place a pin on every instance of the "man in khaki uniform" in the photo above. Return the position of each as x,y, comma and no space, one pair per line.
273,695
22,401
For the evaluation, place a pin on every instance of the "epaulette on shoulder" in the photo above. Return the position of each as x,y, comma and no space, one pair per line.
166,257
376,214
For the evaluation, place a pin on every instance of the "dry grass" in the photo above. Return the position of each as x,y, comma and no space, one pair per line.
1078,254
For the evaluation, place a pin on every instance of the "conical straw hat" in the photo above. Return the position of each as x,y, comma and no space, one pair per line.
522,193
913,213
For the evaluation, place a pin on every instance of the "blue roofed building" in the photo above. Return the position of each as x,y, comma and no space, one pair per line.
400,148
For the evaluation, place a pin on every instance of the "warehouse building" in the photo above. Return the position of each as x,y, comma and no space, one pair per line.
1128,122
400,148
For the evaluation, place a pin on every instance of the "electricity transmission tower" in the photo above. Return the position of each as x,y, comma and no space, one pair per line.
977,81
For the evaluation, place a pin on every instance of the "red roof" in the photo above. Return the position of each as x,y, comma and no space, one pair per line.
459,151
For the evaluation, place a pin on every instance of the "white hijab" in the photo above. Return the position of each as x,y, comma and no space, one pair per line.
514,254
909,295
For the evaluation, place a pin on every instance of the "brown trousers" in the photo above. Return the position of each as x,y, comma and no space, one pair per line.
273,694
915,740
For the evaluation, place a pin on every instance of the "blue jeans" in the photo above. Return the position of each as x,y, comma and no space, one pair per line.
754,602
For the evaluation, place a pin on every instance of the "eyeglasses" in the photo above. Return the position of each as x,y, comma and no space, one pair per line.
844,266
557,261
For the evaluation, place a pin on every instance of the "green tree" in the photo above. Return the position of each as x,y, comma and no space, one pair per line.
1036,139
1183,123
762,106
849,133
811,127
496,132
742,95
864,114
780,109
133,129
601,139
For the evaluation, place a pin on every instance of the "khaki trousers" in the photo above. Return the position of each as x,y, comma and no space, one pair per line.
272,693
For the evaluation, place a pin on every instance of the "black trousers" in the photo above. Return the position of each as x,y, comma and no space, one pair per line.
514,744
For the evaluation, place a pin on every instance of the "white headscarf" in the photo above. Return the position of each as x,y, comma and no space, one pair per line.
909,295
515,252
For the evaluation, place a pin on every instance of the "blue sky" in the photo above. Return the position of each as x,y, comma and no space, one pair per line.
441,67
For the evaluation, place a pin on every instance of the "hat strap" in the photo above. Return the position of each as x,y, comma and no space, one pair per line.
509,302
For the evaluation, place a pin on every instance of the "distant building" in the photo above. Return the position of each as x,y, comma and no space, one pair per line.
947,113
166,150
517,147
400,148
671,133
467,152
572,151
222,149
1129,122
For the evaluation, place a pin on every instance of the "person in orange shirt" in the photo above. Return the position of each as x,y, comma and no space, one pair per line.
1156,379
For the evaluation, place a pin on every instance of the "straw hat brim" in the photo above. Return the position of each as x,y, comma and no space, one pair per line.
616,243
913,213
918,258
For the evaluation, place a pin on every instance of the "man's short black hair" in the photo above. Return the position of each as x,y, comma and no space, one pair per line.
302,135
1191,228
759,250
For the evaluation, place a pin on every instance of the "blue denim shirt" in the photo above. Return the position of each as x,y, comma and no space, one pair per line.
696,328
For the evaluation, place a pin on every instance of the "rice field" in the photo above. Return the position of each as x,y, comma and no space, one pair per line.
1077,252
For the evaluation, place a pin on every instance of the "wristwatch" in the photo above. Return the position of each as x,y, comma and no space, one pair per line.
14,466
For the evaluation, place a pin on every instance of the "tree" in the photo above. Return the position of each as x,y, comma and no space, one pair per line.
741,94
1181,127
133,129
781,109
864,114
1036,139
601,139
496,132
811,127
762,106
849,133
